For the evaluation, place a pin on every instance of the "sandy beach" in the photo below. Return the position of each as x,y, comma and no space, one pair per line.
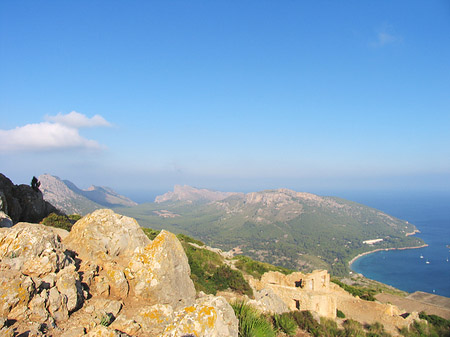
381,249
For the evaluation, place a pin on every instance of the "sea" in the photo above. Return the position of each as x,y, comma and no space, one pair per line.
425,269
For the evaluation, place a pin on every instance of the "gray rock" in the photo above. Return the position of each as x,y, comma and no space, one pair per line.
5,220
69,285
160,272
104,235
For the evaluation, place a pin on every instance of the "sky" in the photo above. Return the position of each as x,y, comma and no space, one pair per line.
316,96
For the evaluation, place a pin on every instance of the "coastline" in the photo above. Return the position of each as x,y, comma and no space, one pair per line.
381,249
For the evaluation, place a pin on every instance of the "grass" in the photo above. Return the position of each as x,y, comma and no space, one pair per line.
251,322
284,323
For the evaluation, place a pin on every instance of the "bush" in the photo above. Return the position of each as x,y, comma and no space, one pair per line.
61,220
251,322
285,323
340,314
225,277
353,328
436,327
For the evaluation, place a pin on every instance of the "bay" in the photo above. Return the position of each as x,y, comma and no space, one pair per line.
405,269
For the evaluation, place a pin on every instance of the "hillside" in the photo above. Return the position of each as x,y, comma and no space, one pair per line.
295,230
110,277
67,197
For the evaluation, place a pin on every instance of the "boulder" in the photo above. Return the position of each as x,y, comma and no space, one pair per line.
22,203
160,272
33,249
105,235
5,220
210,316
147,321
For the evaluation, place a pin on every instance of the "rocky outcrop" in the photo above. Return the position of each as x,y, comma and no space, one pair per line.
22,202
105,278
160,272
105,236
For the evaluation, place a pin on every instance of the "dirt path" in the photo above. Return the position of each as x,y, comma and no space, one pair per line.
419,301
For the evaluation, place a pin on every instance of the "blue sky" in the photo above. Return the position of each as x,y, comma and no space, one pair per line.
318,96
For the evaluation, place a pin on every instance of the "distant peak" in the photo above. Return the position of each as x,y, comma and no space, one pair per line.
192,194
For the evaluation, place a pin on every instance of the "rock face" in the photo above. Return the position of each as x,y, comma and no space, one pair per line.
105,278
22,203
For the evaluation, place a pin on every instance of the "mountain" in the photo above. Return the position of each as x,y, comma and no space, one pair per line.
292,229
70,199
191,194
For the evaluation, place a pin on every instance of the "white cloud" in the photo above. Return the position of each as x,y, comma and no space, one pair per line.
76,120
60,133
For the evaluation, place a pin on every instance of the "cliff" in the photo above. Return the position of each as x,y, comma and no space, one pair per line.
21,203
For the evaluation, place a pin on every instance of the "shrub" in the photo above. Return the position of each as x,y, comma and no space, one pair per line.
285,323
353,328
61,220
251,322
225,277
340,314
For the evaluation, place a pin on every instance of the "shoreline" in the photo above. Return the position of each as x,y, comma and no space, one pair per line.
379,250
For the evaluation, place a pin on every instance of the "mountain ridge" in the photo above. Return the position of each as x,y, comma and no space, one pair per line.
67,197
297,230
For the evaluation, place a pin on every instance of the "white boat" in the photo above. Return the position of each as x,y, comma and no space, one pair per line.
421,256
428,262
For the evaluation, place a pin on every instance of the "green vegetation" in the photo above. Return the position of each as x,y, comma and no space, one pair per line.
284,323
61,220
151,233
251,322
363,293
256,268
340,314
421,329
226,278
299,234
106,319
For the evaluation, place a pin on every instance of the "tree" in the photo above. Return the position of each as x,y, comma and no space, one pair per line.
35,183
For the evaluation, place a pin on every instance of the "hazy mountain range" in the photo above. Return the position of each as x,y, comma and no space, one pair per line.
67,197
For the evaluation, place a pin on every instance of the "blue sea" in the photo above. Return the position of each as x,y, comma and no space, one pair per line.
405,269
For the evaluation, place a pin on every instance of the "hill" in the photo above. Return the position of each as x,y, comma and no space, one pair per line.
67,197
292,229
